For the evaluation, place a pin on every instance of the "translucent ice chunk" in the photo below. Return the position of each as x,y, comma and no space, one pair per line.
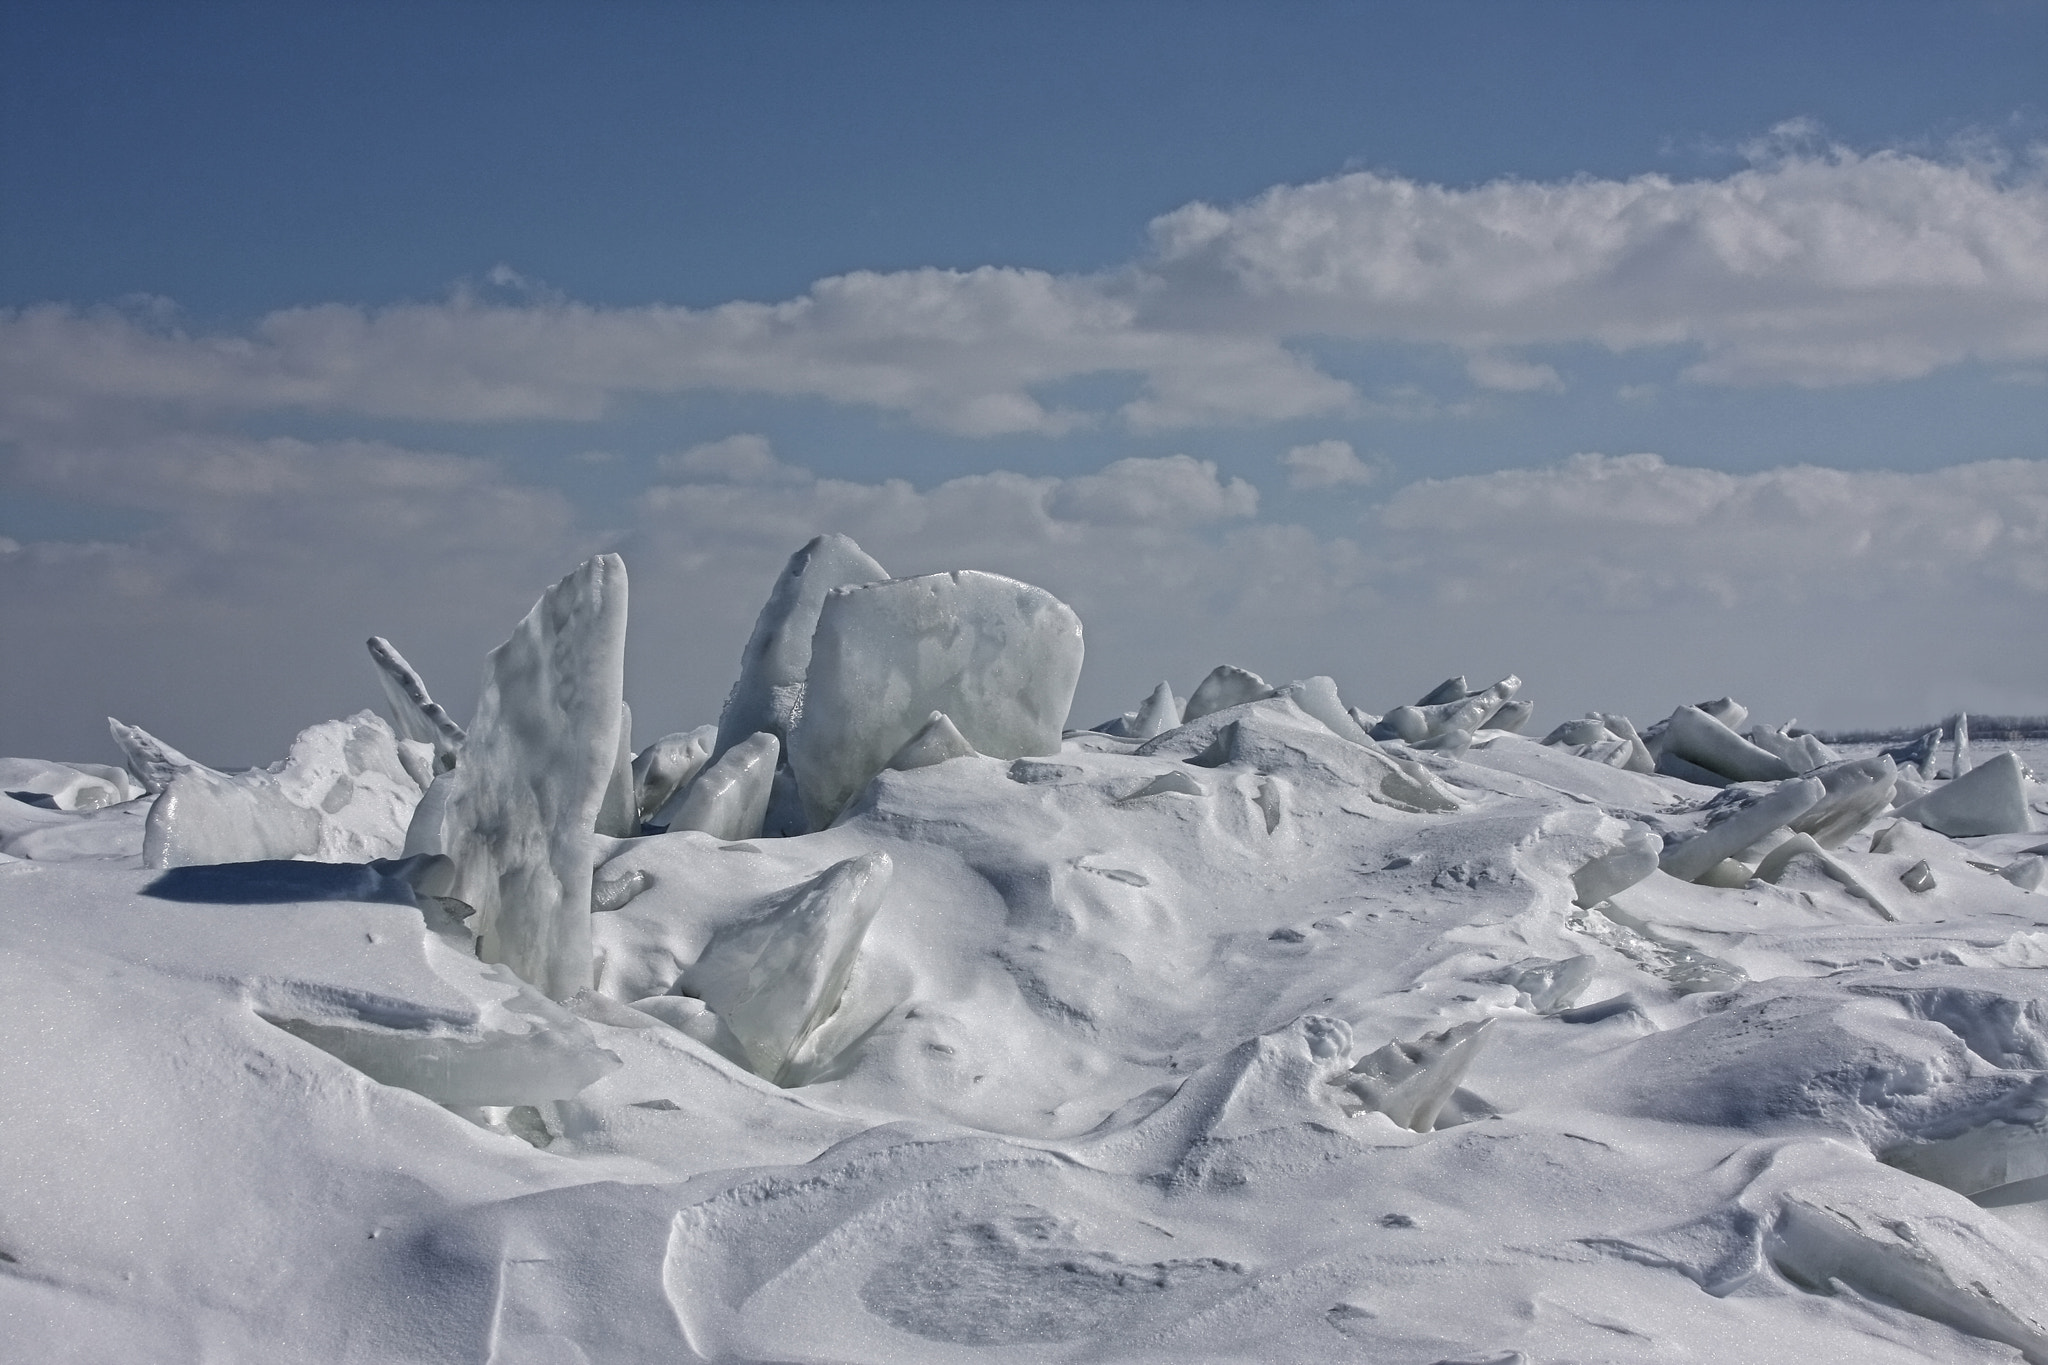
1692,858
1225,687
938,741
1587,730
1549,986
1858,792
1617,870
729,799
769,695
416,715
152,762
1410,1082
1959,747
1450,689
1318,696
1990,799
1918,877
1803,752
664,766
774,979
1727,710
999,657
1699,738
2026,873
518,814
618,815
1159,713
1405,723
1917,754
1511,716
1640,759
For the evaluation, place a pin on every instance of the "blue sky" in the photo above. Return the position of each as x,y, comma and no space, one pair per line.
322,319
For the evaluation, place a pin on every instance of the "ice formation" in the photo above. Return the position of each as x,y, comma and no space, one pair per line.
728,799
769,695
1255,1027
999,657
415,714
517,814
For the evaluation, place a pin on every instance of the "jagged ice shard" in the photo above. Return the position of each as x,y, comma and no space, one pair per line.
775,979
416,714
518,813
1990,799
769,695
729,798
999,657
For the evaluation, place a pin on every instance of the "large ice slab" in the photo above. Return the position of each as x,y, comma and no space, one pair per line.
1226,686
769,695
518,813
343,795
1990,799
999,657
1695,857
152,762
775,978
1702,739
414,711
667,765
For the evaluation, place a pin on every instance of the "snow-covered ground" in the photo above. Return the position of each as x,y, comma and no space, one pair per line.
1088,1093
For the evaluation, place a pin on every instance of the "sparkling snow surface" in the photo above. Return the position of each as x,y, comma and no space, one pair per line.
1086,1095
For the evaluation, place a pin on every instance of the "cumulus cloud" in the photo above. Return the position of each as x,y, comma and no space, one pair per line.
745,458
1329,464
1808,267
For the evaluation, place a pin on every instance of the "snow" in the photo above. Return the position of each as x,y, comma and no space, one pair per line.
1255,1039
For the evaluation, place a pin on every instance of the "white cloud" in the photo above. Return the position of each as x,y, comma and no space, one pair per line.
1813,268
1178,490
1329,464
745,458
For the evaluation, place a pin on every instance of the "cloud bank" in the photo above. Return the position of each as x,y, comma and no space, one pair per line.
1815,267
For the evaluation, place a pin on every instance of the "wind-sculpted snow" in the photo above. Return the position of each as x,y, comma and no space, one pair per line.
1227,1031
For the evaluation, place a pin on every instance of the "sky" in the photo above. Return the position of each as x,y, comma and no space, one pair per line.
1649,352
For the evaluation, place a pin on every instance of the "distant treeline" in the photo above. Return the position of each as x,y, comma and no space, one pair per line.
1981,727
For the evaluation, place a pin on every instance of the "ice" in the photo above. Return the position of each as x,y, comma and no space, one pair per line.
1545,987
2026,873
937,742
1226,686
1160,713
1858,792
1917,754
769,695
618,815
415,714
1617,870
1449,690
524,1049
1411,1082
729,798
1691,859
1990,799
1802,752
1727,710
1511,716
343,795
1318,696
999,657
775,979
67,786
518,813
1701,739
1919,877
1802,850
665,766
152,762
1959,746
1982,1158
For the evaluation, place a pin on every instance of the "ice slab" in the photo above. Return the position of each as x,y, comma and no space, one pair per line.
1450,689
769,694
999,657
1159,713
665,766
152,762
1617,870
618,815
774,979
1511,716
414,712
1545,986
518,813
517,1048
729,799
1699,738
1410,1082
1858,792
1318,696
937,742
1959,746
1691,859
1990,799
1803,752
1226,686
343,795
1917,754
